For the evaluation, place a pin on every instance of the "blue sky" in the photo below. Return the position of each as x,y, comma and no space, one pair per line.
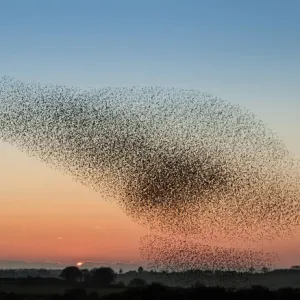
247,52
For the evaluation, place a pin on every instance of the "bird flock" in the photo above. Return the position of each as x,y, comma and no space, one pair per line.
171,254
185,164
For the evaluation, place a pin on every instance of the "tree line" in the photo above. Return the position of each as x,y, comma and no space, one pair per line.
101,276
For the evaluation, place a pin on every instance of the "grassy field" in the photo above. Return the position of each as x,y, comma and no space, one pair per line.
47,290
272,280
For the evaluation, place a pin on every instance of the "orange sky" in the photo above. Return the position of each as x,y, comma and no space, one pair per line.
46,216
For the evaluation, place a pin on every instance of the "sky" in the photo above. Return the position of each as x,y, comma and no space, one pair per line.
247,52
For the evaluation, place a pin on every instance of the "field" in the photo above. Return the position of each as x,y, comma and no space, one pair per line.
272,280
52,289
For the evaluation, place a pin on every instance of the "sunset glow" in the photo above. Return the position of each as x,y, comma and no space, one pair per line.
61,220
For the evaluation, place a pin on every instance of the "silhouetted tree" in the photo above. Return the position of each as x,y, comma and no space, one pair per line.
103,276
198,284
121,284
120,271
265,270
71,273
137,282
140,269
43,273
85,273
